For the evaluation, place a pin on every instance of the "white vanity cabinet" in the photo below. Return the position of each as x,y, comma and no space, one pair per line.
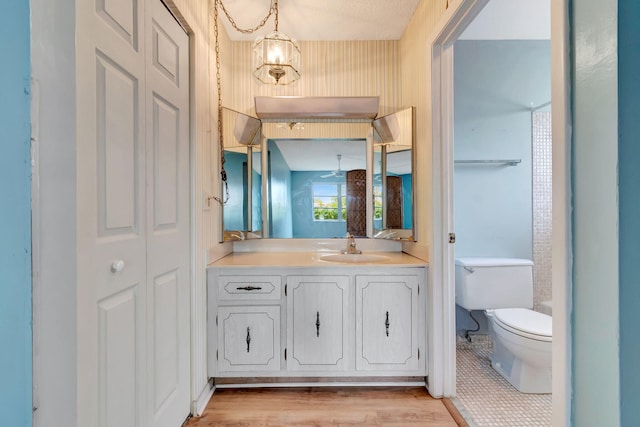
317,323
288,323
247,323
387,323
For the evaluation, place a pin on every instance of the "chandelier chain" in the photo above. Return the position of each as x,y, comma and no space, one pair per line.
273,7
223,172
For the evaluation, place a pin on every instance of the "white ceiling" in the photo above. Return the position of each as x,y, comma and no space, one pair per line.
324,19
381,19
320,155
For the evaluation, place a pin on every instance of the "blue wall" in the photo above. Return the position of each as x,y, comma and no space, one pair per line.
235,211
279,194
235,216
407,201
15,217
496,83
629,196
256,205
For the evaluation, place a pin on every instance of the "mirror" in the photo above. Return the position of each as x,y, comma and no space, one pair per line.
392,176
322,178
308,166
308,186
242,213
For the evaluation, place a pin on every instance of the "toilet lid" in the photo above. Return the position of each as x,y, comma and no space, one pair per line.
525,322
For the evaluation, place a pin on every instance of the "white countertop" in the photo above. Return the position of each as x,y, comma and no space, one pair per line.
312,259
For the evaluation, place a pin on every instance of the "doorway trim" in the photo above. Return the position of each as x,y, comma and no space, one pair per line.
453,23
562,238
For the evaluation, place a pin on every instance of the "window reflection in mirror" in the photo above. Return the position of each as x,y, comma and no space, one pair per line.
392,176
242,213
310,192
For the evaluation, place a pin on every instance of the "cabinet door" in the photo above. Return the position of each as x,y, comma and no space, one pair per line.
317,314
387,323
248,339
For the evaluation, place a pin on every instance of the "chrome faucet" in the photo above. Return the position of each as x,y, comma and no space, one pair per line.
351,245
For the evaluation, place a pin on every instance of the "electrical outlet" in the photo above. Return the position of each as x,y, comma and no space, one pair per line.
206,201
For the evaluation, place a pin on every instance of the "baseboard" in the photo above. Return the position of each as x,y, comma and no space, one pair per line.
275,382
332,384
198,406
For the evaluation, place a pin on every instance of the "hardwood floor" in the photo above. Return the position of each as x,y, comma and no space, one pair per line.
326,406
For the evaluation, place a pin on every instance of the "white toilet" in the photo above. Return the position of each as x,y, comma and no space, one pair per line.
503,287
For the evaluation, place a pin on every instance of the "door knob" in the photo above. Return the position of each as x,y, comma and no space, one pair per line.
117,266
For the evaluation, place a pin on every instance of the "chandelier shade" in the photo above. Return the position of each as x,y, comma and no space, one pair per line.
276,59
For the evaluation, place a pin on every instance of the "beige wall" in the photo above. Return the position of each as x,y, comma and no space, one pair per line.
328,68
416,91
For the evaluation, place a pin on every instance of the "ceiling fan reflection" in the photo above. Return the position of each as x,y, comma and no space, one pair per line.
338,173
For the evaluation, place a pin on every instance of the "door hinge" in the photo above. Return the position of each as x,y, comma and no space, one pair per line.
285,289
285,354
452,237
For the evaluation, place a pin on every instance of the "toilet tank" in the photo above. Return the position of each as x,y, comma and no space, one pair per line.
486,283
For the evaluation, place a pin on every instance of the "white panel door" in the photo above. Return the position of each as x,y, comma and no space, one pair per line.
123,302
111,234
317,319
167,218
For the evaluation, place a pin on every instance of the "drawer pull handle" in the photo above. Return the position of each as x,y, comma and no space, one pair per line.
317,324
248,288
248,339
386,323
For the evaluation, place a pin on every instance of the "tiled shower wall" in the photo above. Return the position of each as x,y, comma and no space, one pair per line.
541,163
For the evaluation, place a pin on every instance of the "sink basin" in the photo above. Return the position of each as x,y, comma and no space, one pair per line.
353,258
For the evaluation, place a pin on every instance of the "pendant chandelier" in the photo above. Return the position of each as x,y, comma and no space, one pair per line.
276,57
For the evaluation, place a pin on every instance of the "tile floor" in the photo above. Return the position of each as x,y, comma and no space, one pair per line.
484,398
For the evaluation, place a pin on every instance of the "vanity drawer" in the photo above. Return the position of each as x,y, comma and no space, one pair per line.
249,287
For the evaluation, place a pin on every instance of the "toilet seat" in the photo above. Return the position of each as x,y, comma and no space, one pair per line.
524,322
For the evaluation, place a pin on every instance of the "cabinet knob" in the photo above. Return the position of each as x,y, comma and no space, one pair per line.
317,324
117,266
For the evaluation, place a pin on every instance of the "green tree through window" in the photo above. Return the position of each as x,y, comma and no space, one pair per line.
329,202
377,202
